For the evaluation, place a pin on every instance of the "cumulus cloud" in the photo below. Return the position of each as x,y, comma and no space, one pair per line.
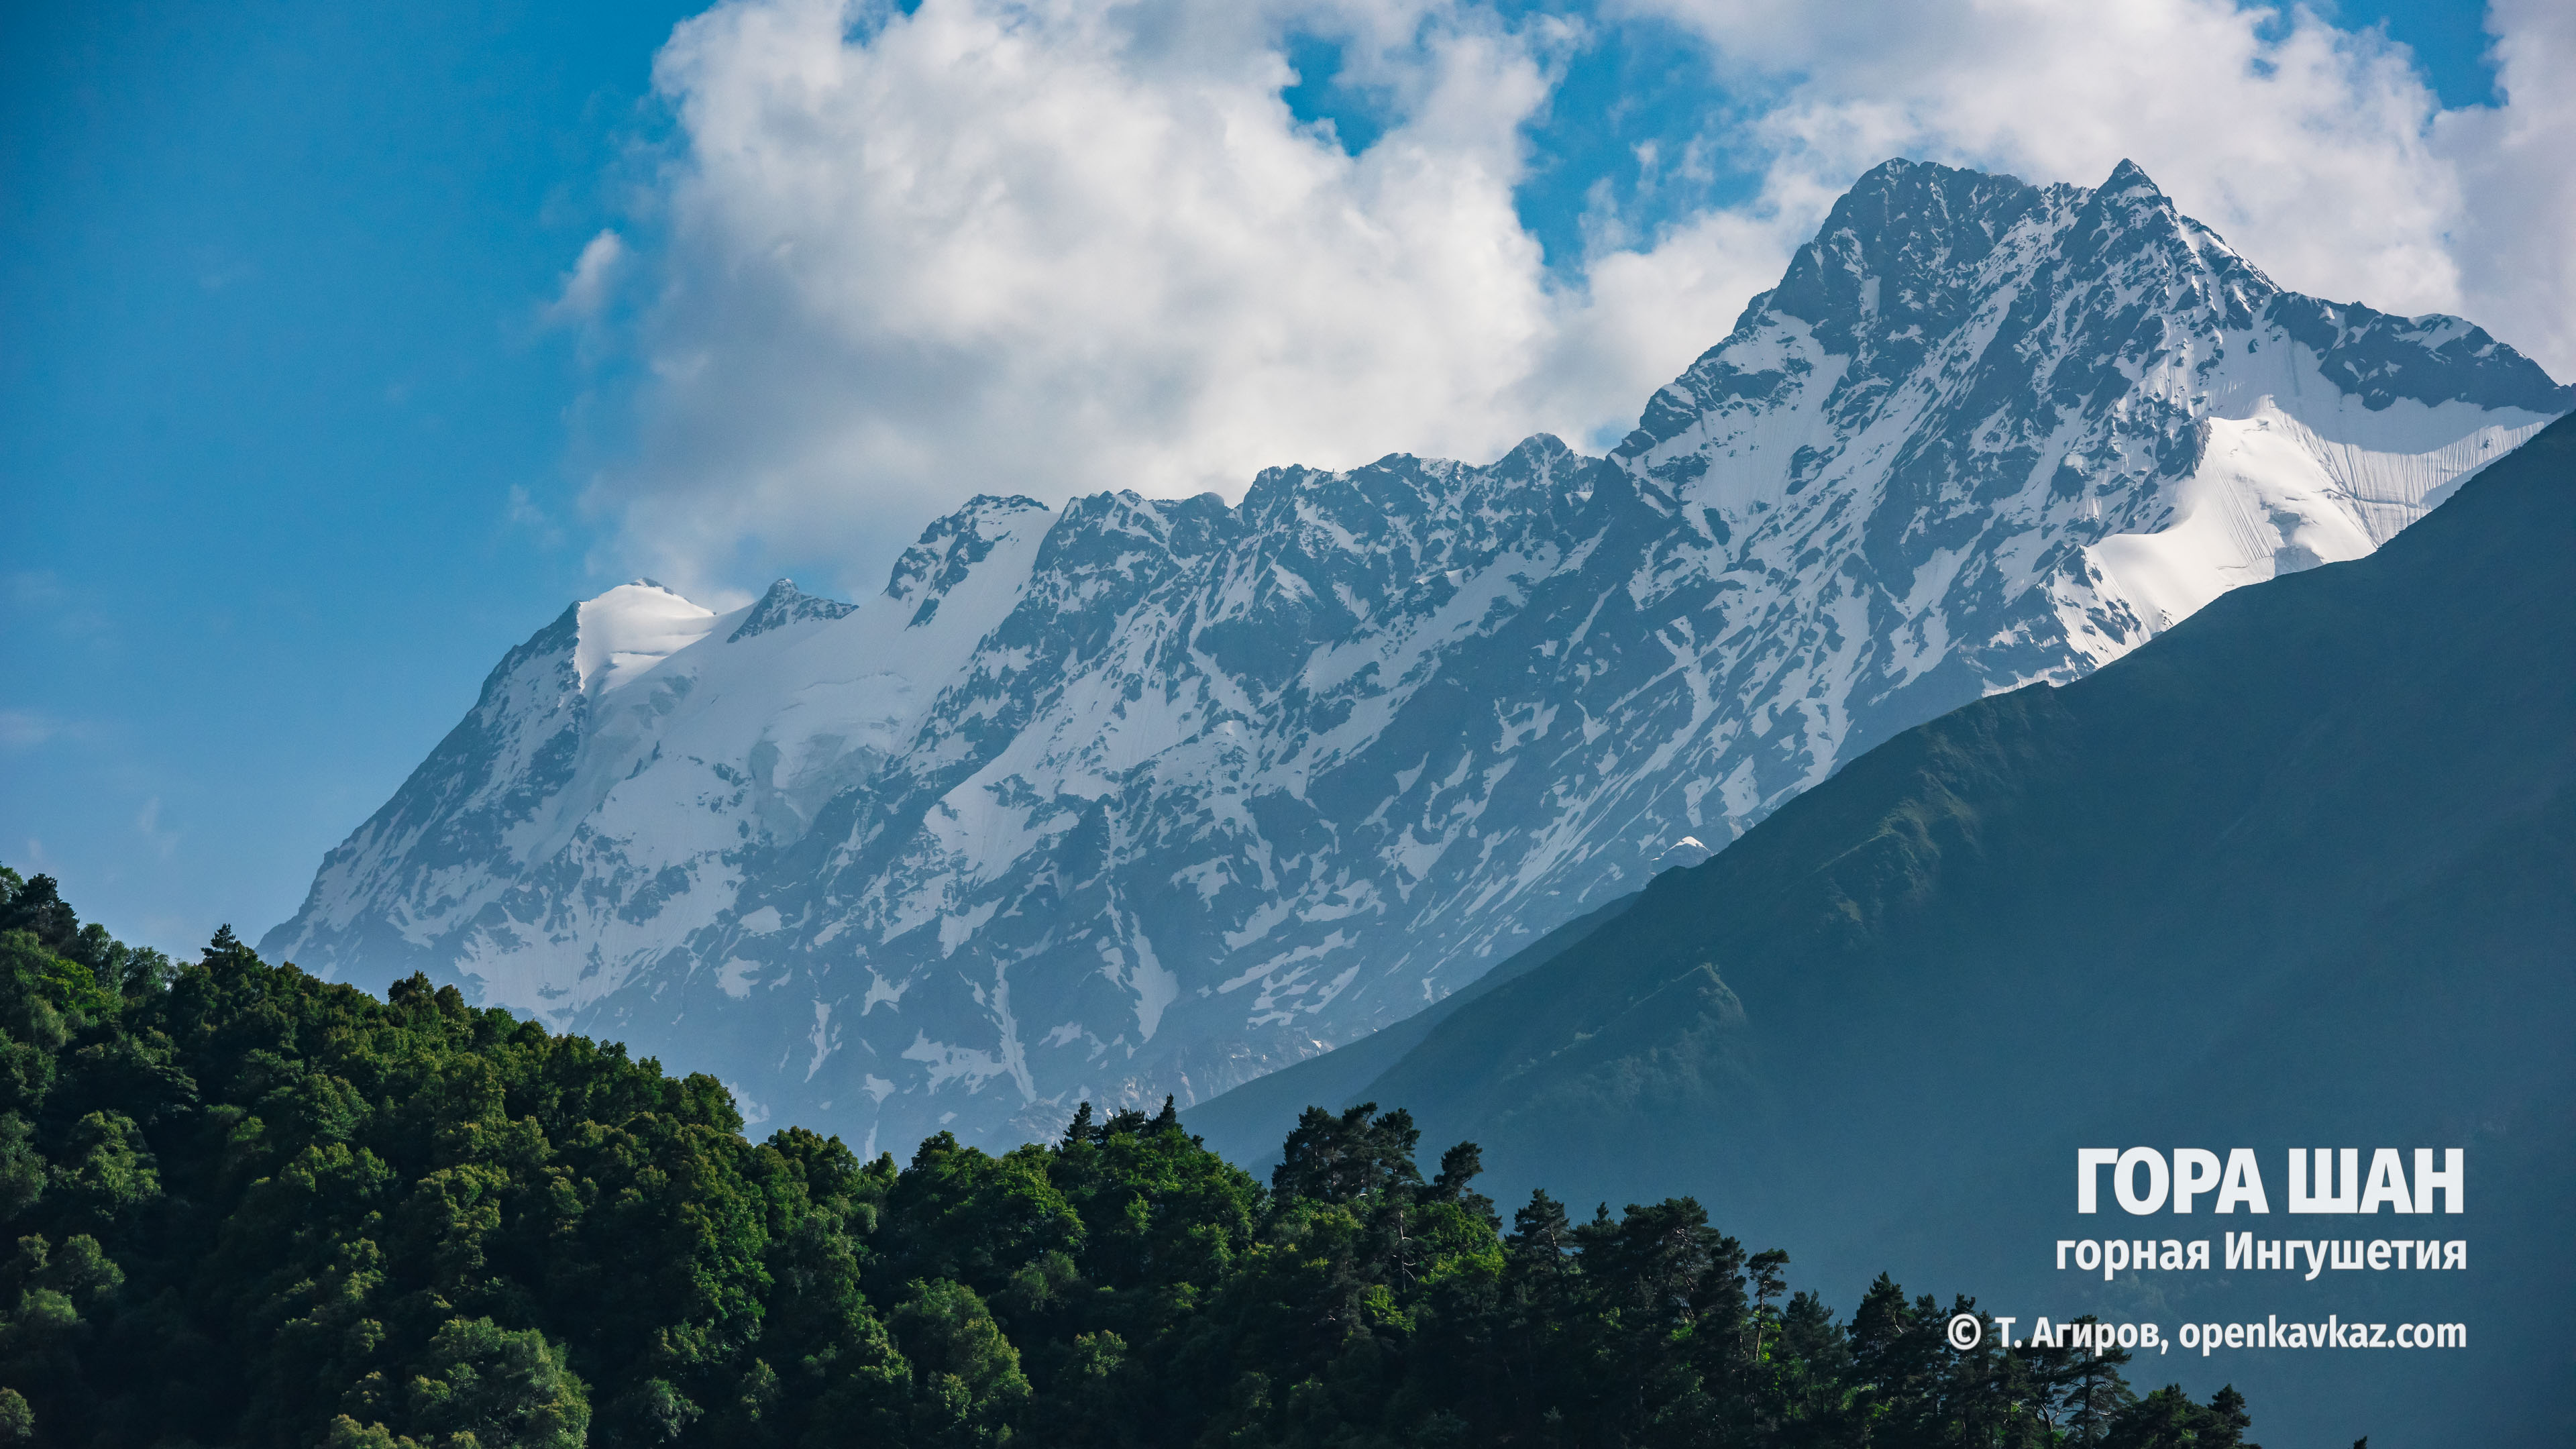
2515,234
1056,246
586,287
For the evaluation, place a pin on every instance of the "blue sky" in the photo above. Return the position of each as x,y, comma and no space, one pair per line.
300,429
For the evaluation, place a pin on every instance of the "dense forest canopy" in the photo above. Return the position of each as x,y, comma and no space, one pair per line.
250,1207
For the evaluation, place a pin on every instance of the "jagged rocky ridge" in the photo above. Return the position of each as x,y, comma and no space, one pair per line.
1146,796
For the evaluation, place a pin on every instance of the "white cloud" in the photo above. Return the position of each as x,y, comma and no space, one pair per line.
1052,246
1055,248
2515,236
587,286
520,511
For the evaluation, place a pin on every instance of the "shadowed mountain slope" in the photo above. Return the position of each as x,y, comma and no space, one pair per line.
2301,872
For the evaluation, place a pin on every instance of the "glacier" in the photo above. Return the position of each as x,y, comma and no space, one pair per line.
1139,796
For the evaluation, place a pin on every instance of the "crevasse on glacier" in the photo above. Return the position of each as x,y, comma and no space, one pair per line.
1145,795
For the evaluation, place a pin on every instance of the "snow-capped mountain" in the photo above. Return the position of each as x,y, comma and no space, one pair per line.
1143,796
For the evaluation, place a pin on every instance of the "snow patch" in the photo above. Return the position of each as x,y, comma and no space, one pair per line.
631,628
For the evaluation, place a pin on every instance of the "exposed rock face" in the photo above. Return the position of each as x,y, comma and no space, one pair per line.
1151,796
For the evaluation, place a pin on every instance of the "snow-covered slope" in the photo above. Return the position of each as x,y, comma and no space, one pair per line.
1147,796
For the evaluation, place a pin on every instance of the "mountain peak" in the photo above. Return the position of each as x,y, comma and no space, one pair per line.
1536,452
631,628
786,604
1900,249
2129,204
1143,796
950,547
2129,176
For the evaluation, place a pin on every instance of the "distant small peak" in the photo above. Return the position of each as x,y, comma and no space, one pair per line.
1001,502
1872,192
957,542
628,591
2129,176
1537,448
2129,210
1682,854
632,627
786,604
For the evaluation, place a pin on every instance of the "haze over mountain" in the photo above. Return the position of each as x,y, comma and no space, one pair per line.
1151,796
2300,873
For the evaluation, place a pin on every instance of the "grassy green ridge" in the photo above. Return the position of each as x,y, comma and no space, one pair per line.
253,1208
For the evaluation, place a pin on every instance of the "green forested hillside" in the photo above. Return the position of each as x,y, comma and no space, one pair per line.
252,1208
